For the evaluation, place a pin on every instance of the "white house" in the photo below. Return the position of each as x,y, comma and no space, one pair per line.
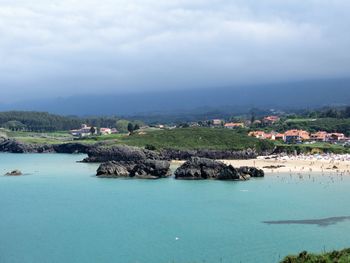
84,131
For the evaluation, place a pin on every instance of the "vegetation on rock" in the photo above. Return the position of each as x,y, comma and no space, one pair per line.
342,256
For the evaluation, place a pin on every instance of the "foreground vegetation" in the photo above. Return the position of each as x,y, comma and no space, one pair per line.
342,256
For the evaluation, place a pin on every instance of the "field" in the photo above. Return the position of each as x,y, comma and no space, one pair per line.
196,138
38,138
186,138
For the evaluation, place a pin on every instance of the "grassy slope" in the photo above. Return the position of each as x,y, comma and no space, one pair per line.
187,138
342,256
195,138
39,138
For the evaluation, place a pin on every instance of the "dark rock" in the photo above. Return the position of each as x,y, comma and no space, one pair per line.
72,148
172,154
199,168
120,153
273,166
151,169
147,169
13,146
203,168
14,173
251,171
113,169
228,173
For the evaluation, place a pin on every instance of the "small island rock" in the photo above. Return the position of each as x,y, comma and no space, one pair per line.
151,169
145,169
203,168
113,169
14,173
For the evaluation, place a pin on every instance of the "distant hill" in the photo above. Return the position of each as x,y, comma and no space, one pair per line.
303,94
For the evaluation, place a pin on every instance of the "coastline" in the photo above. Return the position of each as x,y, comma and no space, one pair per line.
322,163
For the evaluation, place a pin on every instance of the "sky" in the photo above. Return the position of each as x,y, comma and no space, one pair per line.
70,47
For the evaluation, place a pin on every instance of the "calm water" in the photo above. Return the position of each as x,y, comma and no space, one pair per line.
60,212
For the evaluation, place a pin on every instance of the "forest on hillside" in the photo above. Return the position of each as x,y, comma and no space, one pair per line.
46,122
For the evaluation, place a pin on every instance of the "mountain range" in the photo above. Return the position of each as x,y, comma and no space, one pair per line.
293,95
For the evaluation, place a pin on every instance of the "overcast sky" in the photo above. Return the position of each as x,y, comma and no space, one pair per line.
68,47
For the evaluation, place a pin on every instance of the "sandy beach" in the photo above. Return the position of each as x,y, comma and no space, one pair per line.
327,163
298,164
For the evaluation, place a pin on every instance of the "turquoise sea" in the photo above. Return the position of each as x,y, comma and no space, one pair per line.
60,212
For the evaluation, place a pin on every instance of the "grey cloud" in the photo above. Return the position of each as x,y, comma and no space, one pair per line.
69,46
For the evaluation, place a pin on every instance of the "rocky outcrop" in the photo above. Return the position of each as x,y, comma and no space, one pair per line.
14,173
151,169
13,146
147,169
199,168
128,153
120,153
114,169
72,148
203,168
251,171
230,173
172,154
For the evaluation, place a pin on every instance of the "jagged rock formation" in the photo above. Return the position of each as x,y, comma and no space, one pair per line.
203,168
120,153
13,146
151,169
146,169
128,153
173,154
72,148
113,169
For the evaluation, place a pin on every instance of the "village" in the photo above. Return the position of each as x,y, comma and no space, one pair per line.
289,136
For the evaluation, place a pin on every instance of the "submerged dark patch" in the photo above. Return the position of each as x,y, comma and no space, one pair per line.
320,222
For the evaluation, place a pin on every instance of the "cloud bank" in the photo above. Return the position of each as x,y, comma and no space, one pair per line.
67,47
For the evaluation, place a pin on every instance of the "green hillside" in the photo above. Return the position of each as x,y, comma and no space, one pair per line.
196,138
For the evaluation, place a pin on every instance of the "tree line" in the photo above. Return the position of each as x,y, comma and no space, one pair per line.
46,122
